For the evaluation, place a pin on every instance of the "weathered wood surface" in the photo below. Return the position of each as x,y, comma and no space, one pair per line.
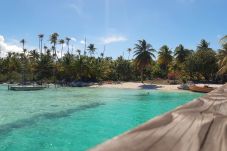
200,125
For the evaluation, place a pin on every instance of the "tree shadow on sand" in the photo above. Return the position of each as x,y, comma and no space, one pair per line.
149,86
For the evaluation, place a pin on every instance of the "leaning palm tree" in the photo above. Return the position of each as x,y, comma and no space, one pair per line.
223,40
144,53
61,41
40,36
53,40
222,59
91,48
67,39
129,51
23,43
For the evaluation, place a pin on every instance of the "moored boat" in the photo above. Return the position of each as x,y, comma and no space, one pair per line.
204,89
26,87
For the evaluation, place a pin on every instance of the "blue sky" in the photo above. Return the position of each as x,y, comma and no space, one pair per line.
118,24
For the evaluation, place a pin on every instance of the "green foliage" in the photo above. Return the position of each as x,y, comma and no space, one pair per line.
202,64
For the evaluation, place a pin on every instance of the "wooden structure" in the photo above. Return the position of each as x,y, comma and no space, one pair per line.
204,89
200,125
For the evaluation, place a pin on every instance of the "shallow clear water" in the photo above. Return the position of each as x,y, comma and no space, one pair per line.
75,119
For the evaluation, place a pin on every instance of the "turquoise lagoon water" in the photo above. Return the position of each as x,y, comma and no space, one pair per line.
76,119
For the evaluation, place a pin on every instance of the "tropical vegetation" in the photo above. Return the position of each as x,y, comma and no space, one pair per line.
47,64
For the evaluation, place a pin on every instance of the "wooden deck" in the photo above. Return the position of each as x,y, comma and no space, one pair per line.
200,125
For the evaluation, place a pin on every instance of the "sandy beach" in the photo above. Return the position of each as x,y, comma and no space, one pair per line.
137,85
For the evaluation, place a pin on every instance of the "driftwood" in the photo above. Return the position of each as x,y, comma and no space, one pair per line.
200,125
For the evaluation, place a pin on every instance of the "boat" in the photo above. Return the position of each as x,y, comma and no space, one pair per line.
26,87
183,87
204,89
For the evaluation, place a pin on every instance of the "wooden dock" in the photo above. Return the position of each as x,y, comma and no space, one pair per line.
200,125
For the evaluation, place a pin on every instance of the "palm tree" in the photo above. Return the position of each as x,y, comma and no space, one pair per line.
181,53
61,41
67,42
129,51
91,48
222,59
45,49
53,40
78,51
204,45
143,53
223,40
41,43
23,43
165,57
102,55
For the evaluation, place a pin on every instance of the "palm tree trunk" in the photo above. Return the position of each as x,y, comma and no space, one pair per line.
61,50
41,46
141,75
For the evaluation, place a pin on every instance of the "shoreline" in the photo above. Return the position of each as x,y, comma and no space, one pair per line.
146,86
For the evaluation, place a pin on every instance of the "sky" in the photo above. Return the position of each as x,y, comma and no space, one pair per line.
116,24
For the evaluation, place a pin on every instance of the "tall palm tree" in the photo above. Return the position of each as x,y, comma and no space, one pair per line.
143,56
67,39
181,53
23,43
203,45
53,40
165,57
91,48
61,41
40,36
222,59
129,51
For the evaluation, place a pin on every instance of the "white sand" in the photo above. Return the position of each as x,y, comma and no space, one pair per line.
137,85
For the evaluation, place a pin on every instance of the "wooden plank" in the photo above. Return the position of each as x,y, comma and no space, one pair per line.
200,125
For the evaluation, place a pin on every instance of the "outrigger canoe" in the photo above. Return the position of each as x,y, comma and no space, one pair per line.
204,89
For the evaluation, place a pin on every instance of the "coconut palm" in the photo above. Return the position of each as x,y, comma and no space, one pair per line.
23,43
91,48
67,39
78,51
62,42
129,51
53,40
222,59
143,56
45,49
40,36
203,45
165,57
223,40
181,53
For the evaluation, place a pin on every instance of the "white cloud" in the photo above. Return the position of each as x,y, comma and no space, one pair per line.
78,6
6,47
73,39
113,39
82,42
